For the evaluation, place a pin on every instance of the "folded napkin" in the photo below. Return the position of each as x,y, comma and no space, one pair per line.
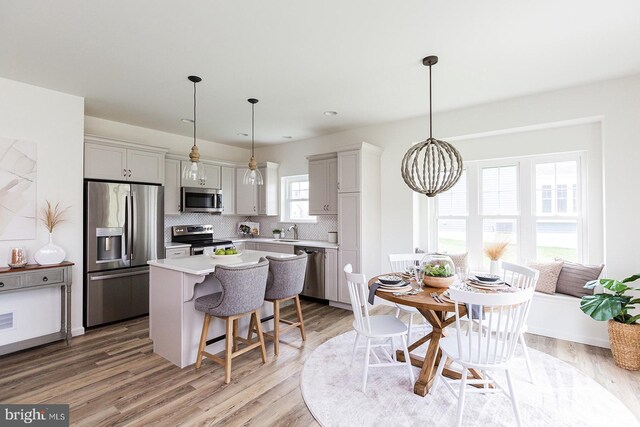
475,311
372,292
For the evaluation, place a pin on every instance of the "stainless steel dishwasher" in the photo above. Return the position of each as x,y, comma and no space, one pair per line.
314,277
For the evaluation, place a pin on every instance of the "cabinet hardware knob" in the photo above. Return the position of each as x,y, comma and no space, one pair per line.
1,284
338,186
125,172
129,173
45,279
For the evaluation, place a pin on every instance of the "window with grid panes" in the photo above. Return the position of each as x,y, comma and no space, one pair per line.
295,199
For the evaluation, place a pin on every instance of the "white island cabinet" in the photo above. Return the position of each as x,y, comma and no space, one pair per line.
174,323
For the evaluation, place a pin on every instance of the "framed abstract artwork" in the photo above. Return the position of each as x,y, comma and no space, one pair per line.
18,167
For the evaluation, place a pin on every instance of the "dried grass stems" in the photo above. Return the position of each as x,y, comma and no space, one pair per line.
496,250
52,216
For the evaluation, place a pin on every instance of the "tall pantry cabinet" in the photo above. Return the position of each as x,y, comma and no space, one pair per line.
359,220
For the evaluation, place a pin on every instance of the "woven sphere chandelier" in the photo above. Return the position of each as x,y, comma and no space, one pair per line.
432,166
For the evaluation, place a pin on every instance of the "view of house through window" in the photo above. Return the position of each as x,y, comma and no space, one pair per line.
295,199
464,220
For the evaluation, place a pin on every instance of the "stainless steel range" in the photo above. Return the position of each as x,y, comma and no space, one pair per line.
200,237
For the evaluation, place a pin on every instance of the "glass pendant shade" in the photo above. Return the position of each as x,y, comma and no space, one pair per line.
253,177
194,171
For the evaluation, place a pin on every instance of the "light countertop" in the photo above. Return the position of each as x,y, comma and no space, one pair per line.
201,265
175,245
312,243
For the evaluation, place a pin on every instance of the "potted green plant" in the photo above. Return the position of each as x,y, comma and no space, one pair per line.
276,233
438,271
615,307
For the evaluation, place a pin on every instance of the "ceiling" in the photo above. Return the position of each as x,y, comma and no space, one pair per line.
361,58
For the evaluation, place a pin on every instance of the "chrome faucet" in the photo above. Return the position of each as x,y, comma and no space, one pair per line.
294,227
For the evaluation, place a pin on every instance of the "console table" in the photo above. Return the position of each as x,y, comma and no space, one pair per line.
32,277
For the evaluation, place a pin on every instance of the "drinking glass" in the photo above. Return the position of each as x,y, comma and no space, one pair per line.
418,274
462,273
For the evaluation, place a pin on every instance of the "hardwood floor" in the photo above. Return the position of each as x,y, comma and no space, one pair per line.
110,376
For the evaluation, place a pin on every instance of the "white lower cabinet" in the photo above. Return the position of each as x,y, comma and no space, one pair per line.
331,274
177,253
346,257
274,247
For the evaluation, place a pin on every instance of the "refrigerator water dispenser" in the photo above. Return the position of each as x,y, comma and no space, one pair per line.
109,242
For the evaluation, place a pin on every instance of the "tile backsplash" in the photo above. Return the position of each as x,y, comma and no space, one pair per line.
227,225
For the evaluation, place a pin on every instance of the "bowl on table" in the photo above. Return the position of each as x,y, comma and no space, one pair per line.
390,279
486,277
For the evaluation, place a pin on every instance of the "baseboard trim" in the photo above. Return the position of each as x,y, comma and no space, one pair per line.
77,331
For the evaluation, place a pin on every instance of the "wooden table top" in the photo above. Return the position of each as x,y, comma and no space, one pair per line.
423,300
31,267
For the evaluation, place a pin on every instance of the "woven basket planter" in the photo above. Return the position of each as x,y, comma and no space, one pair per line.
625,344
439,282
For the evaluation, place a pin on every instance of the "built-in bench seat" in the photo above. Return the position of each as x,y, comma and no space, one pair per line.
559,316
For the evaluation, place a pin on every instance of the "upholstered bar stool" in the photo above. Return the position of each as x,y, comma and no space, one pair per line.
242,294
285,282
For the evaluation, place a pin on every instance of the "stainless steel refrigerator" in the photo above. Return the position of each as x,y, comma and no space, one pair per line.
124,228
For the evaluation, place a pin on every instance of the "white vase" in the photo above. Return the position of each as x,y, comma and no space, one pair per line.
494,268
50,253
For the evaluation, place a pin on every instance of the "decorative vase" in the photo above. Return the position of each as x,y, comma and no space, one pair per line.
625,344
50,253
494,268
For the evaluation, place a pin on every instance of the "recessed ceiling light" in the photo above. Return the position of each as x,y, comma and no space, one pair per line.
186,120
330,113
287,136
242,134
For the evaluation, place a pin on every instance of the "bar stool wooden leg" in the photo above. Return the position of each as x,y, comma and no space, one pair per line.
228,353
263,350
235,335
252,329
299,311
203,338
276,327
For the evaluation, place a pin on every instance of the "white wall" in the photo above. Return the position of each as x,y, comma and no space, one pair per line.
615,102
176,144
54,121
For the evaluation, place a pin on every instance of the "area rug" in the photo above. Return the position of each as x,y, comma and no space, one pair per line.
562,395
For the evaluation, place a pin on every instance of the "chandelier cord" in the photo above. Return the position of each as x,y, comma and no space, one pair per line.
430,107
194,114
252,128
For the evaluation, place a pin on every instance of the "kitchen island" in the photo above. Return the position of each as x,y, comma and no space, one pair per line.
174,323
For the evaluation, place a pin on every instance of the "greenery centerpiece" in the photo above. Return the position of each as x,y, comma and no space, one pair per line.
615,307
438,271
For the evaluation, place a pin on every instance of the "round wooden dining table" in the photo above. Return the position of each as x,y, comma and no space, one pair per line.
439,315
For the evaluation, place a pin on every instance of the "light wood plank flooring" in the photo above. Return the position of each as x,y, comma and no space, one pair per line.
110,376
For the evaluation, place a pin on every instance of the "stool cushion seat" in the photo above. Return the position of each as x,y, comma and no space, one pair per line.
207,303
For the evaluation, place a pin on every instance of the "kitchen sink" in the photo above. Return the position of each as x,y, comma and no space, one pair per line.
286,240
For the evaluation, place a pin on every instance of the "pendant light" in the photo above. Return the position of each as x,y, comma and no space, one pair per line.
252,176
192,171
432,166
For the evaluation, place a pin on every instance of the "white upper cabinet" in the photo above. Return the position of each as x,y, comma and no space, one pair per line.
120,161
212,173
246,196
323,186
268,203
349,171
145,166
254,200
228,190
172,187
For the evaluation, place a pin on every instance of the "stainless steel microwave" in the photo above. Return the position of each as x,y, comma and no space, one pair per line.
207,200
